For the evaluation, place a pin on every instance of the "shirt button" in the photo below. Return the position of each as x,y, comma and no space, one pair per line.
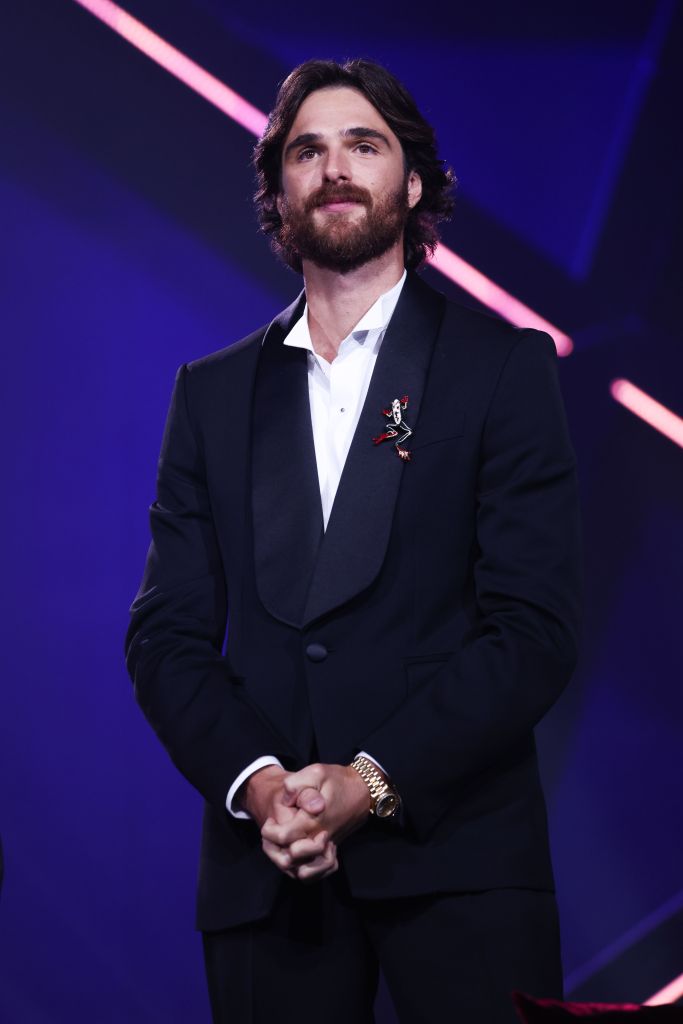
342,409
316,652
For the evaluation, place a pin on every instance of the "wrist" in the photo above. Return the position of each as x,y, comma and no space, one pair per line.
254,794
362,796
384,800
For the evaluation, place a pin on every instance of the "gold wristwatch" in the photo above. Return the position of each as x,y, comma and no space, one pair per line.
385,800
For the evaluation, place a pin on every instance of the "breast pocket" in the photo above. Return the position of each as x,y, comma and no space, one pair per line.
451,431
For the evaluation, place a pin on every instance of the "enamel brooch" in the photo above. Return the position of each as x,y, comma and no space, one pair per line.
396,430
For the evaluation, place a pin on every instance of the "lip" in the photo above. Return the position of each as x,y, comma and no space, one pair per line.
340,206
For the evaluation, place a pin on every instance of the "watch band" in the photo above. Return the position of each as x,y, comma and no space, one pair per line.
378,787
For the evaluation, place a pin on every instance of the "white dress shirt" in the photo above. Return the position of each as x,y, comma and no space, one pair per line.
336,392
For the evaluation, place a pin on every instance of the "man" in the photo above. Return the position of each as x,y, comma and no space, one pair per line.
379,490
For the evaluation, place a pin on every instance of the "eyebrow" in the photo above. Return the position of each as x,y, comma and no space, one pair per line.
307,138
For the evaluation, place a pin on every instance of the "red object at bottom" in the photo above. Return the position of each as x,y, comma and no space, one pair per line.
545,1011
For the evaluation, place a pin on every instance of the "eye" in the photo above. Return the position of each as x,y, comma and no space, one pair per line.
365,147
304,154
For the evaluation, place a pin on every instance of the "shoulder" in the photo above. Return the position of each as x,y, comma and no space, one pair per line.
240,357
478,356
229,359
486,341
220,381
491,333
483,334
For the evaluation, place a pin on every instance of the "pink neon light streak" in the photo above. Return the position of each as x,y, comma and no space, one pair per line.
669,994
492,295
653,412
172,60
231,103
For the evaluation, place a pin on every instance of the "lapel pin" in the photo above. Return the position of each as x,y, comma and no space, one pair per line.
396,429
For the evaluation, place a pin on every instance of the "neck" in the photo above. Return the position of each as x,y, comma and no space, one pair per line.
337,301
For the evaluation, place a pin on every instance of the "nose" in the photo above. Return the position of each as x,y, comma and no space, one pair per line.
336,166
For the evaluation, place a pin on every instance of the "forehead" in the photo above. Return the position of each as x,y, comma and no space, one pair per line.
334,108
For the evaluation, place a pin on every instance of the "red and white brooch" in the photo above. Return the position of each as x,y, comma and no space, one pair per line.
396,429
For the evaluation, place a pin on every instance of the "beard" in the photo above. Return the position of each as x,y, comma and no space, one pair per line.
343,243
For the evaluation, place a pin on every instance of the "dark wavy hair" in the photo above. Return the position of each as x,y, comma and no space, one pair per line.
397,107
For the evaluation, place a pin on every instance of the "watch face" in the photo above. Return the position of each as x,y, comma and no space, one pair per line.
387,805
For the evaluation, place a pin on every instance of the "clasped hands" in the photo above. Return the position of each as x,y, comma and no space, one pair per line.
303,816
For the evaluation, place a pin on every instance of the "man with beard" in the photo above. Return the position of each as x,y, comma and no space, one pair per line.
380,487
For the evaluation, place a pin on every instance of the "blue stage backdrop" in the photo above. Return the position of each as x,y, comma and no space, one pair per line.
129,247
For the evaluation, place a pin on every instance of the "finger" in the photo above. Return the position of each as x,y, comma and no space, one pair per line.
308,799
310,777
320,868
288,799
279,856
281,835
285,833
304,850
274,831
320,864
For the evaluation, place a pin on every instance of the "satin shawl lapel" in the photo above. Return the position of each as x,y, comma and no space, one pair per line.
287,513
355,542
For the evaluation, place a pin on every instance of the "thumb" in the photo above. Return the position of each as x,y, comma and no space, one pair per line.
295,782
289,797
303,786
311,800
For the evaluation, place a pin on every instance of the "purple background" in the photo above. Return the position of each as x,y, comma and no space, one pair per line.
129,246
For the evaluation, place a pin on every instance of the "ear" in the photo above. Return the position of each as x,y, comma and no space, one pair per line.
278,203
414,189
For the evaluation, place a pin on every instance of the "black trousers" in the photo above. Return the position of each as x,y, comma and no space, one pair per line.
447,957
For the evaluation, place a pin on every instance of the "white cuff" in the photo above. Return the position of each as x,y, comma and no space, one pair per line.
364,753
260,762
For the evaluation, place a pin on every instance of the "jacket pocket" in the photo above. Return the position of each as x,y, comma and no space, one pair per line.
420,669
455,428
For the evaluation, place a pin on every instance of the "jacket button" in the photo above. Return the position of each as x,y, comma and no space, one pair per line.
316,652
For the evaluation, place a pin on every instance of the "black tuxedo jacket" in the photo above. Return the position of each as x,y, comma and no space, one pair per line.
432,624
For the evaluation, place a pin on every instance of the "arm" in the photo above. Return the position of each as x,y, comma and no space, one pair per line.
522,648
233,801
174,641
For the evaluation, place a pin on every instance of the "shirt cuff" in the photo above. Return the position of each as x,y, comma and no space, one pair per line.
364,753
260,762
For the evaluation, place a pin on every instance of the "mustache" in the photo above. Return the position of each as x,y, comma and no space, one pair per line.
336,194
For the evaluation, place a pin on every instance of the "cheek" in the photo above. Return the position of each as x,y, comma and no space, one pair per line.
298,189
387,185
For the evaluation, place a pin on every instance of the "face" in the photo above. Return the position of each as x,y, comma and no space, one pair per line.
345,193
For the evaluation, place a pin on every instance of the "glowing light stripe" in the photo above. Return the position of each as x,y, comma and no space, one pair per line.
172,60
669,994
492,295
231,103
653,412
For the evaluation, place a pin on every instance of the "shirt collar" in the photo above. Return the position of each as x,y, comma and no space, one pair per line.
376,318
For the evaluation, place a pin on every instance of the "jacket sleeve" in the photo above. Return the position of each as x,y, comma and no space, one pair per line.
174,641
522,648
